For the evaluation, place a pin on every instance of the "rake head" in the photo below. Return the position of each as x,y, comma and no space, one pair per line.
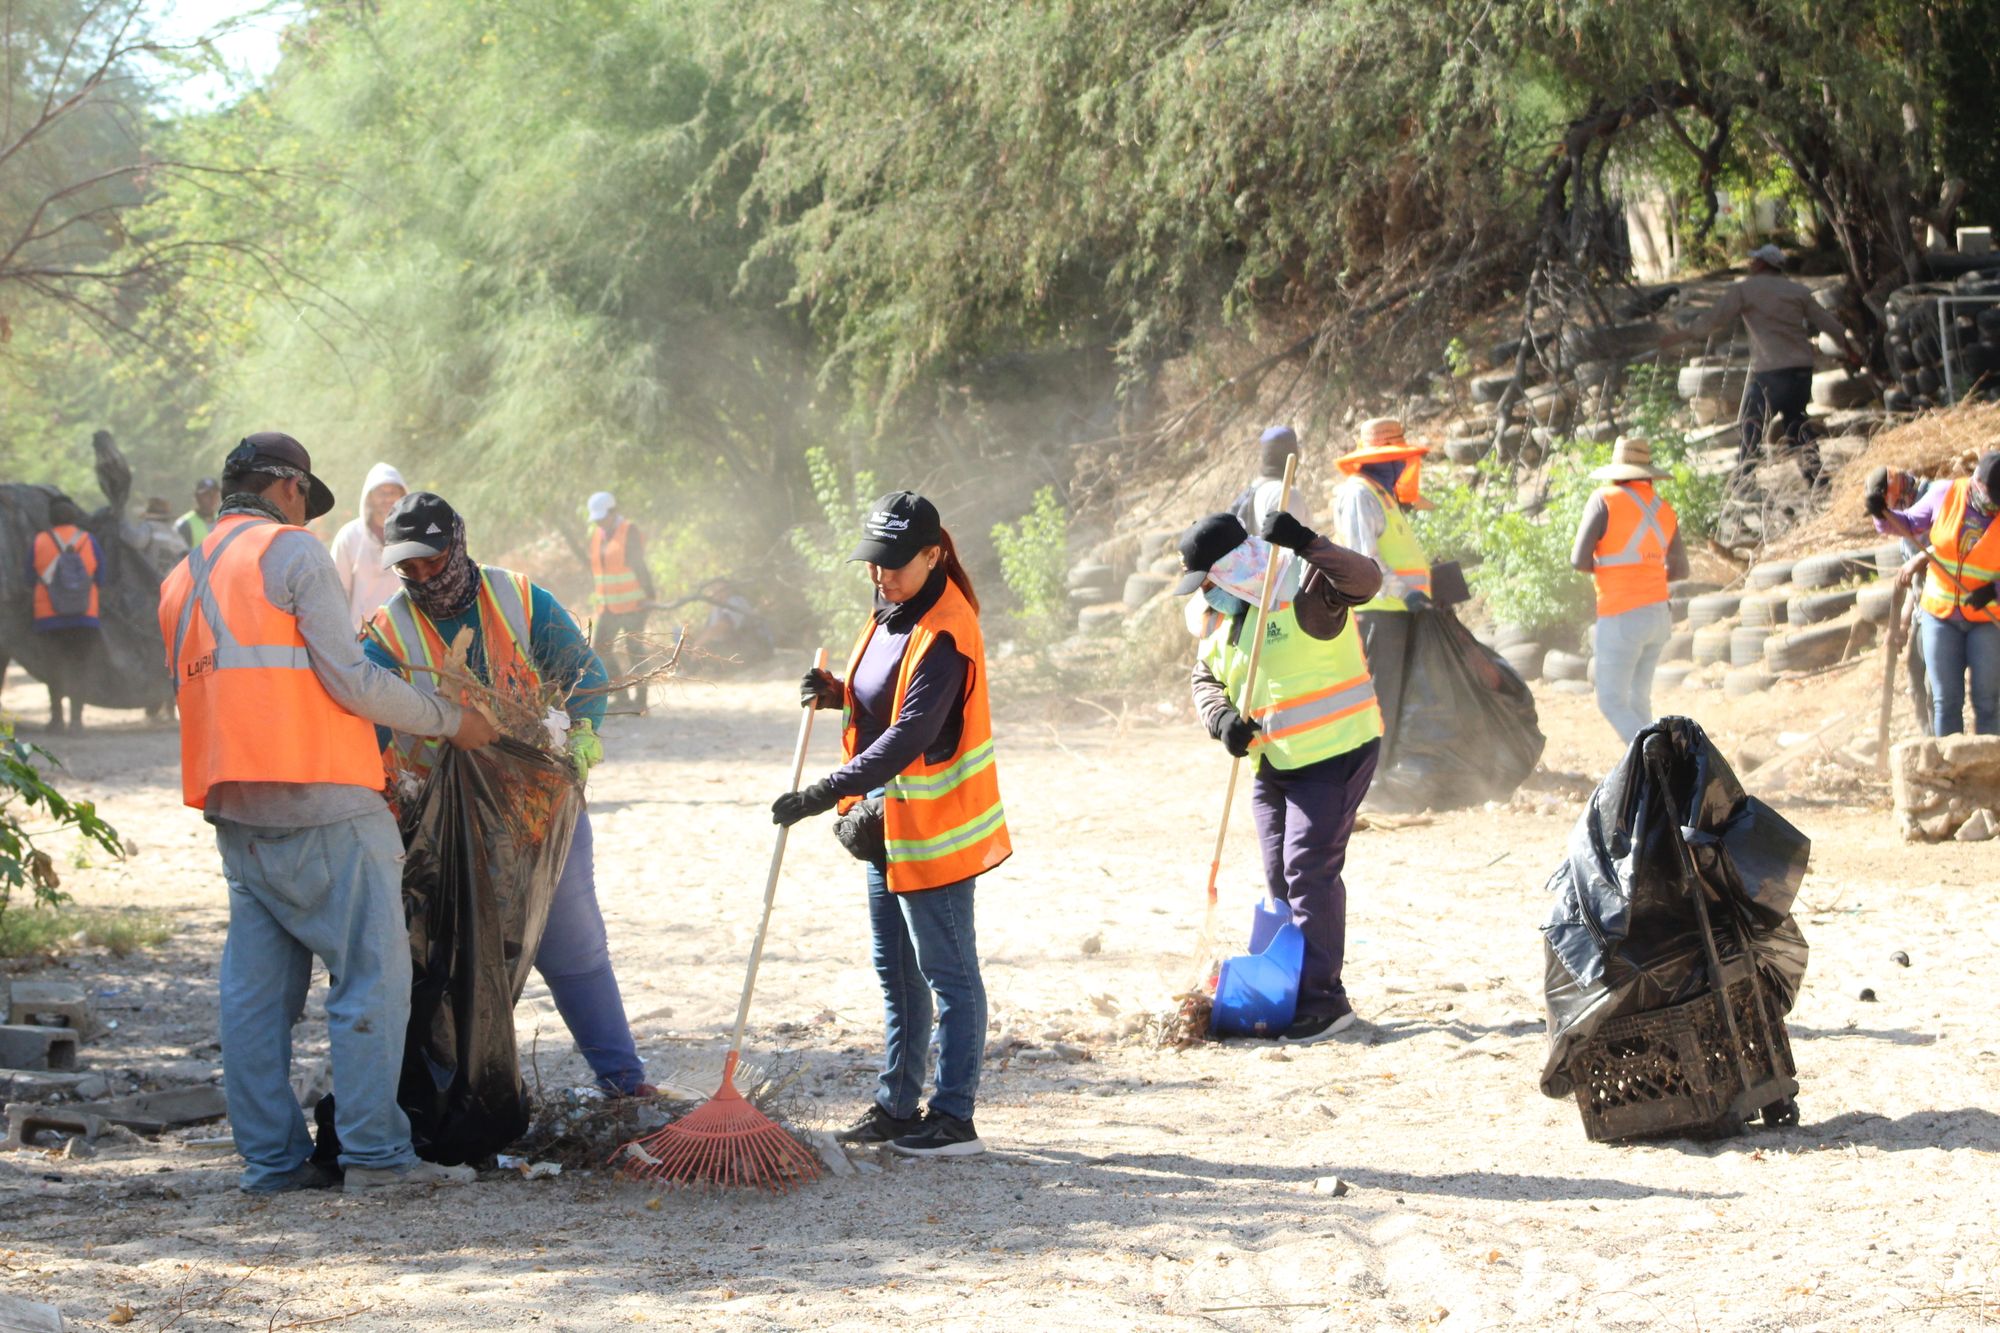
724,1142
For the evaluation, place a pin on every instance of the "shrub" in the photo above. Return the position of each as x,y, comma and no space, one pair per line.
23,789
836,589
1034,564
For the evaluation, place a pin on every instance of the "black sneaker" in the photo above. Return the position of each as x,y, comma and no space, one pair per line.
878,1126
941,1136
1306,1031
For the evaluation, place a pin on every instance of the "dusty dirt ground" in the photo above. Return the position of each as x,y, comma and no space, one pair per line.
1134,1187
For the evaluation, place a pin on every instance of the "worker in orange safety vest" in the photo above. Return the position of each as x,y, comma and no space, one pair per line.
1629,542
621,589
278,752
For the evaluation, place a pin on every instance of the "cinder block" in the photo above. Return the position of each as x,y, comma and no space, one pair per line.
54,1004
18,1315
151,1112
24,1121
25,1046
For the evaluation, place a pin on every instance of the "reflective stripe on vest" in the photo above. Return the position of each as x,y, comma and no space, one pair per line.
615,586
1314,697
1629,562
1955,571
49,546
505,635
942,822
1398,549
252,708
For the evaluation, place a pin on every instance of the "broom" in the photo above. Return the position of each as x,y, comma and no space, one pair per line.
1205,949
726,1141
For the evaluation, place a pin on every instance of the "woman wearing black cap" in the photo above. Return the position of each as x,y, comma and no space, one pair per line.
920,802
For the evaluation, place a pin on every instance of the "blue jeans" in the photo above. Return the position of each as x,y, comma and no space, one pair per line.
1628,652
1952,648
924,943
335,892
575,962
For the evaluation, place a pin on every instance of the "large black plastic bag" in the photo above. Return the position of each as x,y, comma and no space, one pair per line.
1468,732
1623,937
485,843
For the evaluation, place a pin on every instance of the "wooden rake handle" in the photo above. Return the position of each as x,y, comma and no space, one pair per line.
1250,680
771,880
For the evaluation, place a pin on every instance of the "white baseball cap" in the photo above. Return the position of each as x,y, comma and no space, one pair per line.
601,504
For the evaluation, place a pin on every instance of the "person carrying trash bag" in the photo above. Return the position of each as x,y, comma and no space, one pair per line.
1313,724
1371,517
920,802
1629,542
522,635
277,752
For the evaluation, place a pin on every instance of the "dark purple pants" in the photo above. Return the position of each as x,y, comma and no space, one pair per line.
1304,818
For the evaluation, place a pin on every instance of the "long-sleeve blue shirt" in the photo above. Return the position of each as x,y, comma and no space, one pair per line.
560,651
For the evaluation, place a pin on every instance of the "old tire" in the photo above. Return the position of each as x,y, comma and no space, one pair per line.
1525,658
1468,451
1874,602
1739,682
1746,645
1559,665
1143,588
1711,607
1822,571
1091,574
1807,649
1671,675
1814,608
1763,609
1837,389
1888,559
1679,648
1507,636
1770,574
1711,645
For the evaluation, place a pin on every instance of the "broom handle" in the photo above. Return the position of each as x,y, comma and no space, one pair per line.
1250,681
771,880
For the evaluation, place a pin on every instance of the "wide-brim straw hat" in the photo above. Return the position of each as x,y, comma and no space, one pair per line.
1380,440
1631,460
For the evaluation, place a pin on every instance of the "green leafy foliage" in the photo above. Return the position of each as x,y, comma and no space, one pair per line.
1034,564
25,794
836,590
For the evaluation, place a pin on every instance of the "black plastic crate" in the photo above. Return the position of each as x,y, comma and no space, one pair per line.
1674,1071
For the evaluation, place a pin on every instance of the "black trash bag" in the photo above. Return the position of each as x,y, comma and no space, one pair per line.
485,841
1468,732
1623,937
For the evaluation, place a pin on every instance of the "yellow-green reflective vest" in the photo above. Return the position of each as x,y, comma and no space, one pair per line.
1399,550
1314,697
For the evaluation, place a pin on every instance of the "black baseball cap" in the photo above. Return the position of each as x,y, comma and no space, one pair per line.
420,526
898,525
271,450
1205,542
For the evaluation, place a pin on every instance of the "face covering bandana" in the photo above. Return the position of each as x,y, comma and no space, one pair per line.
1223,602
452,591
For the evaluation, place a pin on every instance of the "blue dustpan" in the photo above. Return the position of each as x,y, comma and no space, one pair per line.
1257,994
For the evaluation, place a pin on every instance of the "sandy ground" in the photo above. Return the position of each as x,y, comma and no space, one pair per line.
1133,1187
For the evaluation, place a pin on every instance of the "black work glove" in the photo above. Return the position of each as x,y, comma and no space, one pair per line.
1235,732
1981,597
793,806
1875,493
820,688
1281,529
1416,599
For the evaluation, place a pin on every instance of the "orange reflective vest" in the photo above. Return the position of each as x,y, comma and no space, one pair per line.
252,709
1629,562
942,821
506,602
49,547
615,587
1956,567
